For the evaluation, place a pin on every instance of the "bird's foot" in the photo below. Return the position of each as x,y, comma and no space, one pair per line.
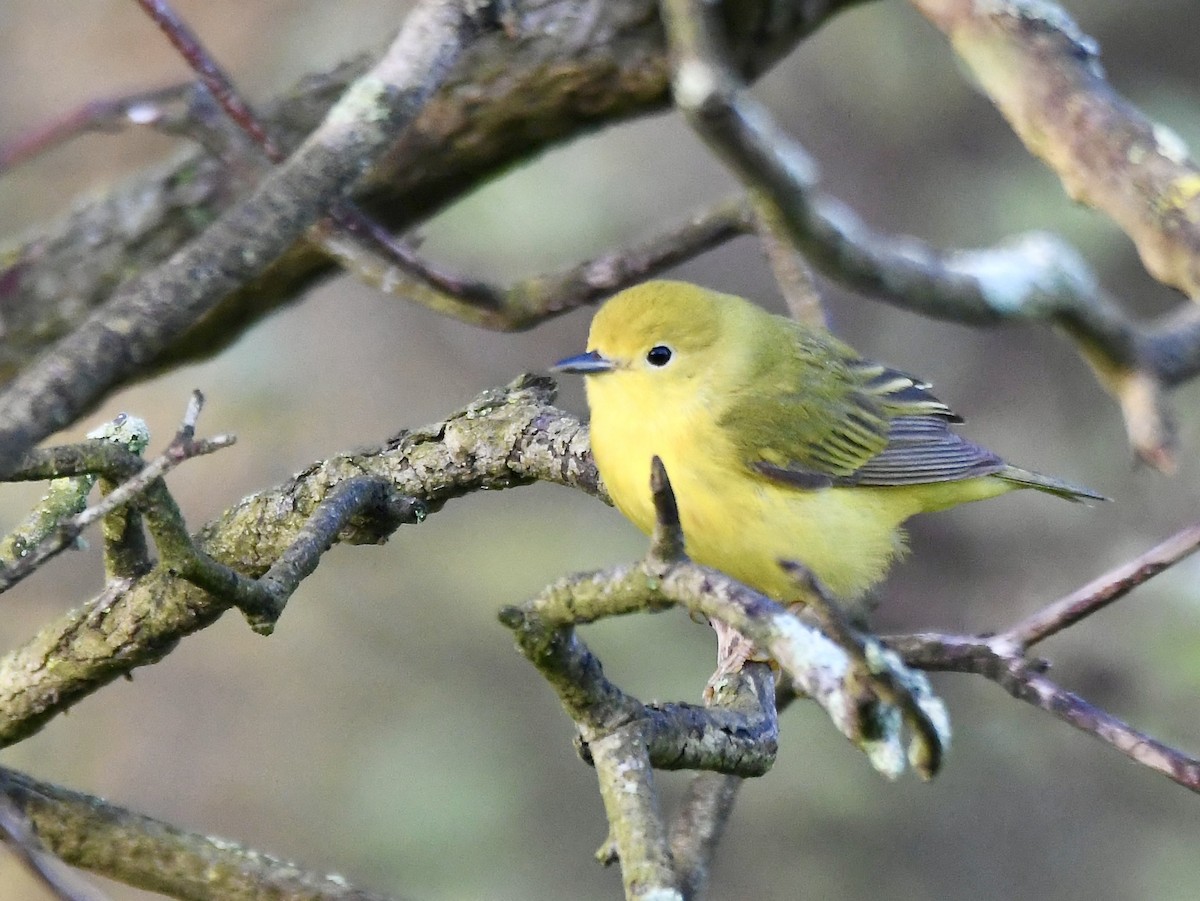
734,650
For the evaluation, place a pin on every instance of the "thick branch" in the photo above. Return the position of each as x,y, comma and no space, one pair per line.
92,834
1044,75
636,832
506,437
151,311
558,70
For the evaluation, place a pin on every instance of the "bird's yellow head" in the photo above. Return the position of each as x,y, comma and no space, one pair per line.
655,344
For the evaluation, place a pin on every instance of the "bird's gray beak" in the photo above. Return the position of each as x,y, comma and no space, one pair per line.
589,363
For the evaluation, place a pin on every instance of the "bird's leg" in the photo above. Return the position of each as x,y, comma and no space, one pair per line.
734,650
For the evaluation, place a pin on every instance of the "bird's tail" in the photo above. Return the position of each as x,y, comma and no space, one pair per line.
1026,479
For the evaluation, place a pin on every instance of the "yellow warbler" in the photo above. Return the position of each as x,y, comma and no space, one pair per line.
781,442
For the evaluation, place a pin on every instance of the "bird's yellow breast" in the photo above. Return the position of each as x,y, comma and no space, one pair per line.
734,519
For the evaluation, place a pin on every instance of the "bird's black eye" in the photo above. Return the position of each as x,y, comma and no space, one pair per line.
658,355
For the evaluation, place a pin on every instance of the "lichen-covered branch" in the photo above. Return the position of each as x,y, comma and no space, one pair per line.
739,736
95,835
43,532
125,480
506,437
637,835
1044,74
554,71
152,310
813,663
17,836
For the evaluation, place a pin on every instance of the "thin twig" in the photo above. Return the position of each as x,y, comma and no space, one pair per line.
531,301
667,543
1002,658
1025,680
143,108
1098,594
792,272
182,447
210,74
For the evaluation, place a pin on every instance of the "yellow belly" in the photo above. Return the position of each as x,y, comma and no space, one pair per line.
743,524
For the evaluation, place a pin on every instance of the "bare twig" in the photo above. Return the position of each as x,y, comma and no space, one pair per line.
144,108
68,528
210,74
1002,658
1025,680
667,543
791,270
1103,591
530,301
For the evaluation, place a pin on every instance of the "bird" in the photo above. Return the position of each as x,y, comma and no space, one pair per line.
780,441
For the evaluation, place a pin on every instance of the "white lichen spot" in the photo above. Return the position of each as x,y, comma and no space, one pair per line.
886,753
362,102
1025,275
1170,144
694,84
660,894
917,685
806,649
130,431
143,113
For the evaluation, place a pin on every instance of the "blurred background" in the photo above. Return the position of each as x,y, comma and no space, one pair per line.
389,731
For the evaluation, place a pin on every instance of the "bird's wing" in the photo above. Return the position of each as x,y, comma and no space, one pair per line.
922,449
848,421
